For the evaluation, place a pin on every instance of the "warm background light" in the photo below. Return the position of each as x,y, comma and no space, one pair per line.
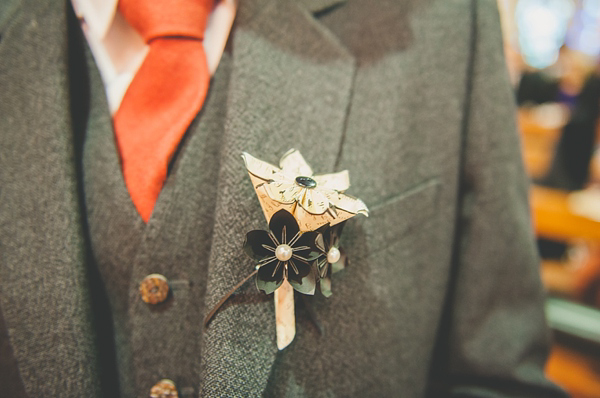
552,49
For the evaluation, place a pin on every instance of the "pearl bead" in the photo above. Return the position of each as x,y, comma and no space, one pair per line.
333,256
283,252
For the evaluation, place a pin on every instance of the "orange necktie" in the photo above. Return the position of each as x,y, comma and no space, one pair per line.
165,95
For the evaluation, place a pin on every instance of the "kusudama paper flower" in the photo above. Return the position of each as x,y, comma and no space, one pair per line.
333,259
314,200
283,253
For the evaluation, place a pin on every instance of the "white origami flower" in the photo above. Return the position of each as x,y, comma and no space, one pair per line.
293,185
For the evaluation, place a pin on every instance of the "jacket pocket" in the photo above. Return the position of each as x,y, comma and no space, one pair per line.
391,221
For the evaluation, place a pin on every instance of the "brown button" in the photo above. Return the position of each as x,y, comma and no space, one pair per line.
164,389
154,289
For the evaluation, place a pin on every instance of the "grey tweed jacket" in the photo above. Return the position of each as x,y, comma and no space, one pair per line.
442,297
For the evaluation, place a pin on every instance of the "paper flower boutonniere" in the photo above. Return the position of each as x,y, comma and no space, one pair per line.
312,208
301,247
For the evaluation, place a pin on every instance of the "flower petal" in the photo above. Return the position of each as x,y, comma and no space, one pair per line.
336,181
322,267
347,203
325,286
253,245
258,167
293,162
334,235
305,280
320,244
283,191
281,219
314,201
313,242
341,263
324,274
270,276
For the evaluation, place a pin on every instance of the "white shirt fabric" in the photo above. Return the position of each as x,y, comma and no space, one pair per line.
119,50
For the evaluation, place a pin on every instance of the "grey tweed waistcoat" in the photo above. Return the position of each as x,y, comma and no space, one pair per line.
151,342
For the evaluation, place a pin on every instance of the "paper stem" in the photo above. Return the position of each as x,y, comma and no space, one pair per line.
285,319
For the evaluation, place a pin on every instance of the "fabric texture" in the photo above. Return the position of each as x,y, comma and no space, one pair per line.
164,96
441,296
174,243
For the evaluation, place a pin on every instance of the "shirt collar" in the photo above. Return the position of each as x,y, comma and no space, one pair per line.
97,14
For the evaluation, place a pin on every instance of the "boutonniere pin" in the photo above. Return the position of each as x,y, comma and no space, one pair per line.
301,248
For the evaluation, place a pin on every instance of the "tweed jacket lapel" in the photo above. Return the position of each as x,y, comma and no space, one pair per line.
44,294
290,87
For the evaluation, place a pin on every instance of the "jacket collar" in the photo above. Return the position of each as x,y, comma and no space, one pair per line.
290,87
44,294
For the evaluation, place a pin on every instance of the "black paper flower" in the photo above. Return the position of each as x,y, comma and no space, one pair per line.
333,257
282,253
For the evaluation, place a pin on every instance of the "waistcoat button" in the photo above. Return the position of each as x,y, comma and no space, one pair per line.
154,289
164,389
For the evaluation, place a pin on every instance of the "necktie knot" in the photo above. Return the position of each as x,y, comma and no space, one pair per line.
167,18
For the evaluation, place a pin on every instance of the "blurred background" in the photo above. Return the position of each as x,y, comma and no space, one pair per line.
553,56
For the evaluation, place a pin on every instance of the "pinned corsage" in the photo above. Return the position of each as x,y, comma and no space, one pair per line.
301,248
305,213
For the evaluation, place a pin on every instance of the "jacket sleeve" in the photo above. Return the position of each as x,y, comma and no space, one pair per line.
493,340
